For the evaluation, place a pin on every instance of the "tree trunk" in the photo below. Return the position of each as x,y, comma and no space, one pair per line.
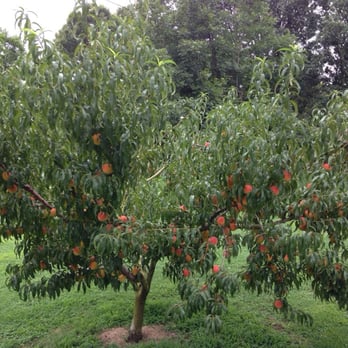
135,331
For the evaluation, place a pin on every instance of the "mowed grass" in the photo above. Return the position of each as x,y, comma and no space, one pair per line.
76,319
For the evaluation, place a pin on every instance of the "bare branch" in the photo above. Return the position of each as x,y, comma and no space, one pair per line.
157,173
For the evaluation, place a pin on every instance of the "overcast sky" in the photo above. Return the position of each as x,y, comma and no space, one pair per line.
50,14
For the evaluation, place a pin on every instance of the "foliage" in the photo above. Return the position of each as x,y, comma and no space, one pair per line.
320,27
75,31
259,168
98,186
10,49
82,124
223,37
220,37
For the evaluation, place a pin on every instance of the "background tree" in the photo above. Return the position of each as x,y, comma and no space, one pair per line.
320,27
333,40
220,37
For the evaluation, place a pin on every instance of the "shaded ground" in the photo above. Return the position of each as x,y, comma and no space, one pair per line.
118,335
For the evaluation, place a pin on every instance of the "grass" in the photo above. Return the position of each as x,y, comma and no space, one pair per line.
75,319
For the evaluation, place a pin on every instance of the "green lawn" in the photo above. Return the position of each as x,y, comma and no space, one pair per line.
75,319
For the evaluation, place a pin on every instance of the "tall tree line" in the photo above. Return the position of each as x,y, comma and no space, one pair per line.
213,42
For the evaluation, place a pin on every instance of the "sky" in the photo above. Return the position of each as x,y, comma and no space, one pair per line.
50,14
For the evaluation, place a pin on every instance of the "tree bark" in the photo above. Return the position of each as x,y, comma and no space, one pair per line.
135,331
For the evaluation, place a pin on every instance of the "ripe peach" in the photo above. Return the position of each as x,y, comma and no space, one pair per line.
178,252
259,238
338,267
230,241
76,250
100,201
53,212
326,166
229,180
102,216
182,207
315,198
135,270
96,138
101,273
42,265
247,188
216,268
220,220
273,268
233,225
339,204
237,205
123,218
303,223
93,265
226,230
121,278
188,258
5,175
278,303
214,200
145,248
107,168
12,189
262,248
186,272
212,240
274,189
286,175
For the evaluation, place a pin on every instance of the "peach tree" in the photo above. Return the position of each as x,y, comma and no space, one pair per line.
97,187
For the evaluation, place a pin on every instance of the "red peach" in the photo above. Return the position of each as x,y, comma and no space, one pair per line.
220,220
216,268
212,240
247,188
278,303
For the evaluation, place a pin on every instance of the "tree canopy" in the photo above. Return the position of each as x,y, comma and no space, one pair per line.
220,37
97,186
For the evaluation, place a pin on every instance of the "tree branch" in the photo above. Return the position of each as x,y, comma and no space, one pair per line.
157,173
37,196
125,271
